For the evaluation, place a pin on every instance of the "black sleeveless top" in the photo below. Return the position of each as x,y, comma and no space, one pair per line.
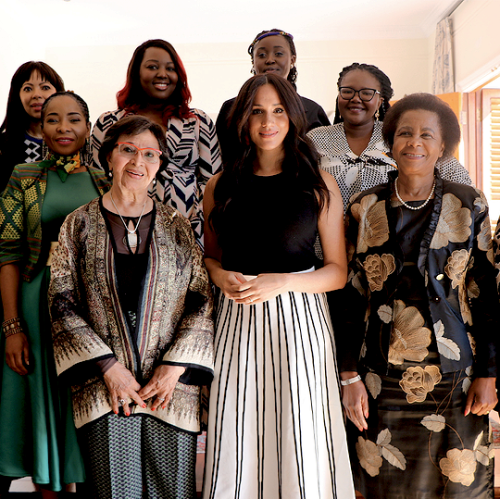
270,227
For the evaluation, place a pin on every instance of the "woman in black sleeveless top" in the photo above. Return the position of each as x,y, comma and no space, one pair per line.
275,420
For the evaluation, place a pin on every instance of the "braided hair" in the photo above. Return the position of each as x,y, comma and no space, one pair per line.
386,91
292,75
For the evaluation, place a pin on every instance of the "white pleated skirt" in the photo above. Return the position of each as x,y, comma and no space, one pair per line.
275,421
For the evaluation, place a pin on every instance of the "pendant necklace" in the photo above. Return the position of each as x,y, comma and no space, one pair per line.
131,239
414,208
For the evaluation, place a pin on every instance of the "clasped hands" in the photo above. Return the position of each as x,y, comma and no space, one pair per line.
250,289
124,388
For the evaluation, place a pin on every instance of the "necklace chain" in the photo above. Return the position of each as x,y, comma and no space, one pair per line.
414,208
129,231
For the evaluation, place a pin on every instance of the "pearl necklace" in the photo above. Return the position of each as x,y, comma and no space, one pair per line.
414,208
131,239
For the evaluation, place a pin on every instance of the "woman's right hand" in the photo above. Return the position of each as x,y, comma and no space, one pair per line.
355,402
122,386
231,283
17,353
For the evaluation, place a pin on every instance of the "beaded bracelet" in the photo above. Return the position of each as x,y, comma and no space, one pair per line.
12,326
345,382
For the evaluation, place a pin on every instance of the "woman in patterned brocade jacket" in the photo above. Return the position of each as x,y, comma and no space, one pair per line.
131,310
157,88
417,344
21,133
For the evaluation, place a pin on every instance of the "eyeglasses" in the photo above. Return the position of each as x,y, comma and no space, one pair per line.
365,94
130,151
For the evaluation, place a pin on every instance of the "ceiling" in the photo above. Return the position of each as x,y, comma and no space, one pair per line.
118,22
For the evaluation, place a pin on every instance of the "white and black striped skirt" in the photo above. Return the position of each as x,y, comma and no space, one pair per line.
275,422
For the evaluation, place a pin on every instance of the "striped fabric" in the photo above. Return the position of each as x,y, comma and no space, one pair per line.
193,158
275,421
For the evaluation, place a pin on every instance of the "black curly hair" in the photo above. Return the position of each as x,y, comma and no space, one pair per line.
448,122
386,91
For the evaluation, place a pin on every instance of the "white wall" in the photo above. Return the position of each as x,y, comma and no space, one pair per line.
216,71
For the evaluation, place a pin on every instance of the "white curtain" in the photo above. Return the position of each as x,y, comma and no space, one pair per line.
443,78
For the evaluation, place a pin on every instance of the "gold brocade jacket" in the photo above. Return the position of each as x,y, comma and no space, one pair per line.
174,319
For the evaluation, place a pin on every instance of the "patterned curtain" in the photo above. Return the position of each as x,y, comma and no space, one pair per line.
443,78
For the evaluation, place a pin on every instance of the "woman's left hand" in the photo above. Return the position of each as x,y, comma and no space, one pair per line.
481,397
162,385
263,288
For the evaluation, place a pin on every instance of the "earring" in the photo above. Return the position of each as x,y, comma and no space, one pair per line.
154,182
86,153
110,174
253,71
377,115
45,151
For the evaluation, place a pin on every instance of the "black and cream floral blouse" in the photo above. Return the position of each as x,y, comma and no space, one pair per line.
456,261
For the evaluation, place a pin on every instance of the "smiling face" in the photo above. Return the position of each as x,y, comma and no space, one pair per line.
418,142
157,74
355,111
272,55
65,128
134,174
268,121
33,94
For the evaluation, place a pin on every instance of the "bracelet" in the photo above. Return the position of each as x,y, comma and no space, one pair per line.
350,381
12,326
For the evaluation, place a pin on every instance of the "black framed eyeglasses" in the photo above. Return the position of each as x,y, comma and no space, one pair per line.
365,94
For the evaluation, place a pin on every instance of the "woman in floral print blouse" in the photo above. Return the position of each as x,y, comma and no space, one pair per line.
418,368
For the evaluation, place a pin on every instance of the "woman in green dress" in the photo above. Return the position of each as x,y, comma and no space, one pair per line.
37,434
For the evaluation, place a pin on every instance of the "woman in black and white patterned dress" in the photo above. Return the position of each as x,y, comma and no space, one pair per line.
157,88
21,130
352,149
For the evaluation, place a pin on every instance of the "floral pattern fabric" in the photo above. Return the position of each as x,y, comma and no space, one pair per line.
455,260
428,327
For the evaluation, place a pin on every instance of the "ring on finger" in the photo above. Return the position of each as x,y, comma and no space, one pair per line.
161,399
250,299
121,401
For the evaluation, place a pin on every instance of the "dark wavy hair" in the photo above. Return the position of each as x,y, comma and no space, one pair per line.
17,120
301,158
131,125
386,91
132,96
292,75
448,122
